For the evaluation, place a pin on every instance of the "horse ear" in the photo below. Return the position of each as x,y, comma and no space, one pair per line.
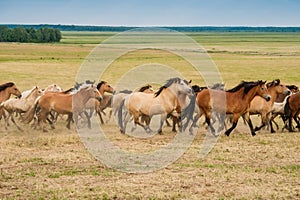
190,81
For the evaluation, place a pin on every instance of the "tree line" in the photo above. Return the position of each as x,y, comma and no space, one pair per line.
180,29
21,34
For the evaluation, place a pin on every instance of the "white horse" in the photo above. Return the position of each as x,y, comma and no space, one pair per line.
19,105
49,88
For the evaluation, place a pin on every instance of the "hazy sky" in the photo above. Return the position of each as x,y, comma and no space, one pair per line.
152,12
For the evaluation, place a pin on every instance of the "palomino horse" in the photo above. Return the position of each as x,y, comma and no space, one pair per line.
6,90
237,102
20,105
291,110
70,104
260,106
118,97
163,102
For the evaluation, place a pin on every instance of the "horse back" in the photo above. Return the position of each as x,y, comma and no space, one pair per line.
61,103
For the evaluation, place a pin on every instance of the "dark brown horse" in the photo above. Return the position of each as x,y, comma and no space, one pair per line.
237,102
291,110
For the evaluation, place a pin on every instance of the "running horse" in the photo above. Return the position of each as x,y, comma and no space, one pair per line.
95,105
63,103
292,109
6,90
237,102
162,102
259,106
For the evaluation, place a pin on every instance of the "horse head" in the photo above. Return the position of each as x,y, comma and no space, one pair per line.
263,90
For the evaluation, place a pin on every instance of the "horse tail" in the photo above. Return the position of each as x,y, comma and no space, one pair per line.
287,109
29,114
189,111
120,111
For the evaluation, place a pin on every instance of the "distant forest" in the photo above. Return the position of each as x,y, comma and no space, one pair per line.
180,29
29,34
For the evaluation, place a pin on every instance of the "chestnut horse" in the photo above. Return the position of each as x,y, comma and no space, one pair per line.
71,104
163,102
6,90
237,102
260,106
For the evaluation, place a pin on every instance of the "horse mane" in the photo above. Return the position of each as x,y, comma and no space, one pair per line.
246,85
197,88
168,84
218,86
125,91
292,87
68,91
142,89
273,83
100,84
6,85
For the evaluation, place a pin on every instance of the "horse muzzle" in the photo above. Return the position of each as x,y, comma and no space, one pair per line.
288,92
99,98
267,97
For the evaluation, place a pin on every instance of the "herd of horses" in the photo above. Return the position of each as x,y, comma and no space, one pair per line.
177,100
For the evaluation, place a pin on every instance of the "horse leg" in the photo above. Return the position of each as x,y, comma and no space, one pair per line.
272,120
88,118
70,118
263,121
249,122
207,120
234,124
297,122
13,120
174,120
162,120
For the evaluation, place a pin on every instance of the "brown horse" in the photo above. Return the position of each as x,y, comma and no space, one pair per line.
6,90
291,110
163,102
260,106
94,104
237,102
70,104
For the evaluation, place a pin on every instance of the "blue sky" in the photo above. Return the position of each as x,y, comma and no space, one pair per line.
152,12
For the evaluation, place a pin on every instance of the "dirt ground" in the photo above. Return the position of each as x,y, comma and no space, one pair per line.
56,165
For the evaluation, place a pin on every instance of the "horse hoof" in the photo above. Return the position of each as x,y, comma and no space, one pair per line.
227,134
160,132
253,133
256,129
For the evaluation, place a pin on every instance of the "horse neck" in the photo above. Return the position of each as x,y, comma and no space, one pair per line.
182,99
4,95
83,96
249,96
169,95
272,92
32,96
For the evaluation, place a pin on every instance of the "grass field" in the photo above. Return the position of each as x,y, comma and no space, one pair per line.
56,165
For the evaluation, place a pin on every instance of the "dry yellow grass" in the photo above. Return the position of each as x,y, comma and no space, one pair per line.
56,165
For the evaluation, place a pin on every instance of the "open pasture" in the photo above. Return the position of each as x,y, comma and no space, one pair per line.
56,165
